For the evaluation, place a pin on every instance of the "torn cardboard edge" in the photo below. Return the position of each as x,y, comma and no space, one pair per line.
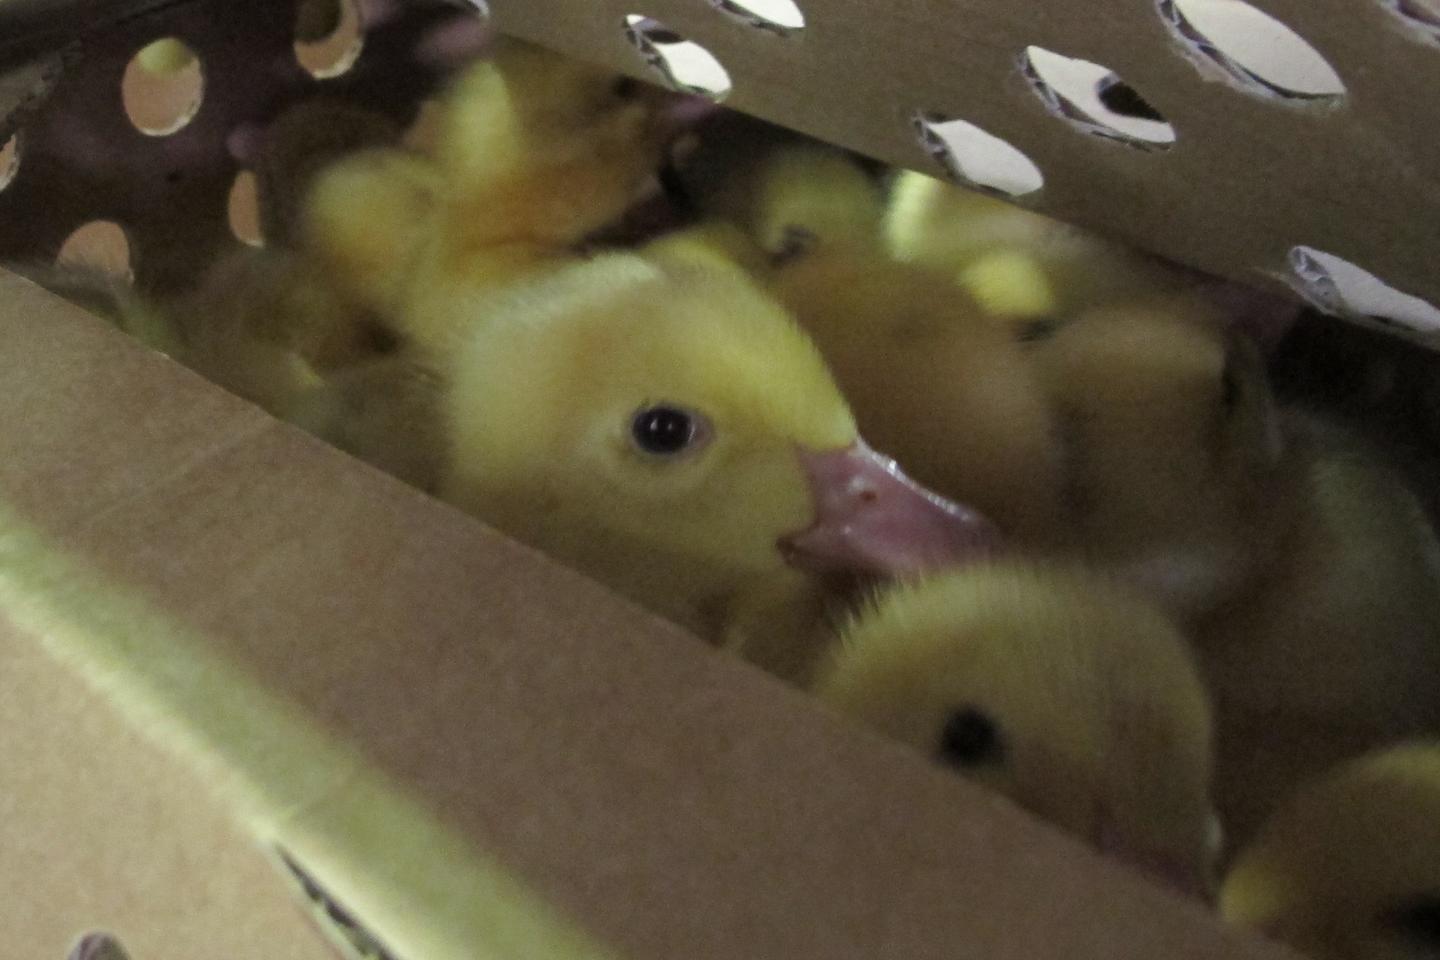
470,747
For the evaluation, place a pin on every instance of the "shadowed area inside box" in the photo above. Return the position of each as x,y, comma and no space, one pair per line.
668,800
146,126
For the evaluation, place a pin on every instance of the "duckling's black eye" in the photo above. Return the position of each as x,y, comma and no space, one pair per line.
970,739
626,88
663,430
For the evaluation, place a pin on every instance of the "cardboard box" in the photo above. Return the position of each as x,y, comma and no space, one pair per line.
228,647
219,632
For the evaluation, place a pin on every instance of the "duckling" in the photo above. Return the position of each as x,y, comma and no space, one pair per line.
666,427
1334,647
1016,262
1349,867
1064,691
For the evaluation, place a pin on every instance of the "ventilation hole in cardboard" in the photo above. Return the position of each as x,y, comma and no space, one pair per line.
9,160
244,210
976,157
683,64
1255,49
163,87
774,16
1070,90
1421,16
97,946
339,923
1338,286
328,37
98,245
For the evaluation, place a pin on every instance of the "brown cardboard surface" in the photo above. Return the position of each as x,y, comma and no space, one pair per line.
100,830
1249,177
664,799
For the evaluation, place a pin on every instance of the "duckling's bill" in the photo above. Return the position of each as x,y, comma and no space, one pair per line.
870,518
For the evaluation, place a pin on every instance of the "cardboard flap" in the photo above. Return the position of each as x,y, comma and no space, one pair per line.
104,831
570,763
1249,175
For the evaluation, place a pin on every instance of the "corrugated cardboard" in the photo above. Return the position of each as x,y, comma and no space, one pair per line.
479,753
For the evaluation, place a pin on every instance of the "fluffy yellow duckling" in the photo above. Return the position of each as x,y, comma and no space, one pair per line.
1016,262
1334,647
665,427
933,379
1176,472
387,412
1304,568
1349,867
1065,692
299,144
934,382
534,151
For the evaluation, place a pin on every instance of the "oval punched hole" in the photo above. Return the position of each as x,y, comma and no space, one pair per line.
977,157
9,160
1259,52
1421,16
1070,88
99,245
683,64
243,210
329,37
97,946
163,87
781,17
1338,286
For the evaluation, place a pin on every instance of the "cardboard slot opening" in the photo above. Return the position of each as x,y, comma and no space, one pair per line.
781,17
100,245
98,946
976,157
243,210
682,64
1336,285
328,37
163,87
1071,90
1253,48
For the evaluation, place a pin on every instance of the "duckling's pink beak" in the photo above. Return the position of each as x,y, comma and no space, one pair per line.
870,518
